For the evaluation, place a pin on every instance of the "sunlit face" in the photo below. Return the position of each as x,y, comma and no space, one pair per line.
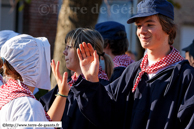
71,58
150,33
187,56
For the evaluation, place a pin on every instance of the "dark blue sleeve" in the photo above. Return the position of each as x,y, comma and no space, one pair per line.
47,99
186,110
94,105
105,105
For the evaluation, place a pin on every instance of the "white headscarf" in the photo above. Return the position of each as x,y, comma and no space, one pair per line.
6,35
30,57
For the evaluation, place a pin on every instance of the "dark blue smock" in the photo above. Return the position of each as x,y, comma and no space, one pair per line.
117,71
72,117
165,101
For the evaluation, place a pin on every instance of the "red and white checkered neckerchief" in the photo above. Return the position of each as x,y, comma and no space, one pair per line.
122,61
101,75
171,58
12,90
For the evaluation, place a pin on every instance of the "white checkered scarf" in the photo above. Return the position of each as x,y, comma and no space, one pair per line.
171,58
101,75
122,61
12,90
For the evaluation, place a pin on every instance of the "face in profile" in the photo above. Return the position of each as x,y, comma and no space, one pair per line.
71,58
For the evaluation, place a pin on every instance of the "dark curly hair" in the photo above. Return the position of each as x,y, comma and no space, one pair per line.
118,47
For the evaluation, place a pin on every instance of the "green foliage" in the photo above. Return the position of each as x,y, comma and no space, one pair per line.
27,1
176,4
21,7
40,93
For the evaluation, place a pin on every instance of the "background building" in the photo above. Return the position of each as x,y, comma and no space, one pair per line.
39,18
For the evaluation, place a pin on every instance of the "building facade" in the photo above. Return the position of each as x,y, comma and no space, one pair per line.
39,18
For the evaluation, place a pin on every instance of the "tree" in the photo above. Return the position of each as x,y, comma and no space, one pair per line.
13,3
73,14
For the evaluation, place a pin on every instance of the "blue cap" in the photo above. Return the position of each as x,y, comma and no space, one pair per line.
151,7
190,49
109,30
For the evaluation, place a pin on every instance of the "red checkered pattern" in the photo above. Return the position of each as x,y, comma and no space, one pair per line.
172,58
101,75
12,90
73,79
122,61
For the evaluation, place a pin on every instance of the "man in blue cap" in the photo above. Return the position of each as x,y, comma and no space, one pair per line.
156,92
115,45
189,53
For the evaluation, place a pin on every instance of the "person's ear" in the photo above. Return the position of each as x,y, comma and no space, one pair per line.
107,46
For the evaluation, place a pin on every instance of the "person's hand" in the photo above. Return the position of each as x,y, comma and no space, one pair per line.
61,81
89,61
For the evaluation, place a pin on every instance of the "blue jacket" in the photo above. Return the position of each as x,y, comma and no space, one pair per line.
72,117
166,101
117,71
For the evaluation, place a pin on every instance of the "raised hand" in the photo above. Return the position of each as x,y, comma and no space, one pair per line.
61,81
89,61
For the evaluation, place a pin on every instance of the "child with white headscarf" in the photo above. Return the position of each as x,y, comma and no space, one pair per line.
26,64
4,36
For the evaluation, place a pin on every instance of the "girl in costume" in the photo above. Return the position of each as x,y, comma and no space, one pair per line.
72,116
26,65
